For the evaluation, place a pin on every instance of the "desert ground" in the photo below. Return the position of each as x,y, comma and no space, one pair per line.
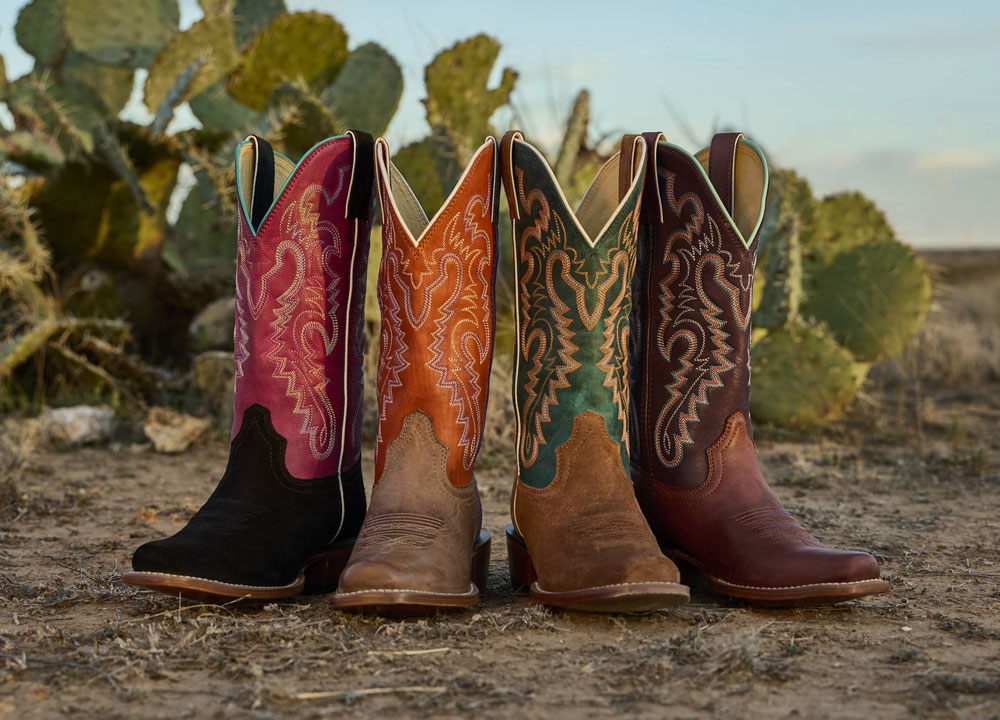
911,475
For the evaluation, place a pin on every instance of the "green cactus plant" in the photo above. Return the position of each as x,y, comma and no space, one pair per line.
874,298
832,267
208,42
39,30
367,90
121,32
801,377
306,46
458,97
846,220
252,16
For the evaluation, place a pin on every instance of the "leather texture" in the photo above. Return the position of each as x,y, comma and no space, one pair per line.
420,528
436,293
735,527
261,524
585,529
572,311
293,485
300,292
694,465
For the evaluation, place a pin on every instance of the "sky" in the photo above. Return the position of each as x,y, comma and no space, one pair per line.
900,100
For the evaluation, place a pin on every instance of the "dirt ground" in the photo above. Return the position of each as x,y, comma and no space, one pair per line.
74,641
912,475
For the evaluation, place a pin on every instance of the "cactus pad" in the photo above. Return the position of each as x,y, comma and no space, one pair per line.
121,32
251,16
846,220
219,111
801,377
39,30
458,99
873,297
367,90
211,41
307,46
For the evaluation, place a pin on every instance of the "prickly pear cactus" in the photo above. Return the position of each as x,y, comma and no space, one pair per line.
846,220
39,30
121,32
790,217
431,169
801,377
252,16
209,43
367,90
109,86
221,112
458,98
308,47
873,297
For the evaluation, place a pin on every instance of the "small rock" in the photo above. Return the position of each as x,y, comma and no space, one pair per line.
213,376
173,432
80,425
212,328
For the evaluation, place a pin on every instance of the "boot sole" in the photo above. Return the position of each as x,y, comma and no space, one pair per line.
393,602
320,574
619,598
789,596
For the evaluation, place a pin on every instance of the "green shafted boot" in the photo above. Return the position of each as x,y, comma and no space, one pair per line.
578,537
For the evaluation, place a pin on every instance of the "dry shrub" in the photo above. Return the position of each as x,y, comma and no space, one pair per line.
960,343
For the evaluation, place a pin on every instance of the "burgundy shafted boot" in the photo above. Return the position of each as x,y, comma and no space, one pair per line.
694,463
290,504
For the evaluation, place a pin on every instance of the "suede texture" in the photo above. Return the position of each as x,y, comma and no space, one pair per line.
261,524
420,527
585,529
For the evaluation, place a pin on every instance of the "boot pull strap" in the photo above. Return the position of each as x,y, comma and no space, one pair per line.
359,192
652,199
722,166
495,183
507,169
262,190
627,163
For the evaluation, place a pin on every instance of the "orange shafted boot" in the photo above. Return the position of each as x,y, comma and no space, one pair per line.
421,548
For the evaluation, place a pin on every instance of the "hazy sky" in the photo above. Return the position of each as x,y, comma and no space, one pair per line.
898,99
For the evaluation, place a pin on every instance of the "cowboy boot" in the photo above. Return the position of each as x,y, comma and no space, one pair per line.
694,463
578,537
422,548
291,501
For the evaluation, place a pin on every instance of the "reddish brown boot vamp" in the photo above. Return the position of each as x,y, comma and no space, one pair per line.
734,527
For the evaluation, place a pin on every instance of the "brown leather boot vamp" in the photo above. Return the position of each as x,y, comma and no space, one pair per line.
421,548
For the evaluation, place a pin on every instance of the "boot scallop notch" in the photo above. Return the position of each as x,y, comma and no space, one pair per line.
291,502
422,547
694,464
578,538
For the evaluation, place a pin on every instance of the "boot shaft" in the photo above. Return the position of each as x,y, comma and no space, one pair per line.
693,290
436,293
573,297
300,293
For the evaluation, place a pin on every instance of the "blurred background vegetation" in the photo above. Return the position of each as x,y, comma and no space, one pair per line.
116,286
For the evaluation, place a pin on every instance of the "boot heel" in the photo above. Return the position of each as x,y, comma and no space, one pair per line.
481,560
322,572
522,570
